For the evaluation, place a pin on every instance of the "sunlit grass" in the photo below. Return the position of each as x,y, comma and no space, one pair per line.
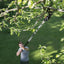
36,55
62,39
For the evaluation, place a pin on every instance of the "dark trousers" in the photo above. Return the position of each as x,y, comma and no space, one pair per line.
27,62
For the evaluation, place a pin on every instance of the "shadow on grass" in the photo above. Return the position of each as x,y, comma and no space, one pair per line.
49,34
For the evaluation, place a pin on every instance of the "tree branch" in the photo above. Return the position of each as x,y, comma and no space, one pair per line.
40,17
5,13
15,9
60,10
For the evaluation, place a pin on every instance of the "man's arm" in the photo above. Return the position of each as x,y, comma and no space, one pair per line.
18,52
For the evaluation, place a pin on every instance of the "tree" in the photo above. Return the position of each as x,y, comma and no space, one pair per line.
24,15
29,15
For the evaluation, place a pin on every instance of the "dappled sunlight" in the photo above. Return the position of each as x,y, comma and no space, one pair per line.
58,14
49,42
55,51
50,48
56,21
62,39
62,26
36,55
62,56
62,50
55,26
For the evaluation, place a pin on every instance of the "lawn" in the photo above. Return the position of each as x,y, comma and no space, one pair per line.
49,35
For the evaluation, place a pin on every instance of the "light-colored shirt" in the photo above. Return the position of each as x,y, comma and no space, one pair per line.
24,56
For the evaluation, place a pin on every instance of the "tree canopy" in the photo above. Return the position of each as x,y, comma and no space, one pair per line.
26,15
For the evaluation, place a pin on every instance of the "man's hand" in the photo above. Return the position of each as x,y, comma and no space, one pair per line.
24,48
18,52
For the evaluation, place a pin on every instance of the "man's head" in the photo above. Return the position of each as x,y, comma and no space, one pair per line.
21,44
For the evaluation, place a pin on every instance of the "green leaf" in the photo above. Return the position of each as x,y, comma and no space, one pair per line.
10,5
28,21
57,55
4,24
33,30
19,2
20,10
11,30
24,2
47,2
62,27
30,4
53,60
0,22
0,29
54,1
18,33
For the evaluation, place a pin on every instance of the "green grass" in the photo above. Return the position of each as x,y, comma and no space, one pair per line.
49,35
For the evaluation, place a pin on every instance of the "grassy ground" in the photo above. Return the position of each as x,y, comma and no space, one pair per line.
49,35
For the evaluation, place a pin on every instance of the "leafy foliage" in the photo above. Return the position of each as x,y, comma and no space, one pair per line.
22,14
25,11
53,58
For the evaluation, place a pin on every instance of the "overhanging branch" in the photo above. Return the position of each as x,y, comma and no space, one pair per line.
15,9
60,10
40,17
7,11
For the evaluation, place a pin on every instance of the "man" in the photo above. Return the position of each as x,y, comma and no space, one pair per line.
24,53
